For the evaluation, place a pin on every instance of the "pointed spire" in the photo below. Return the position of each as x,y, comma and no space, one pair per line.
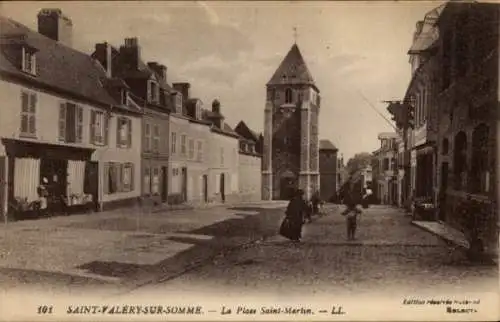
293,69
295,35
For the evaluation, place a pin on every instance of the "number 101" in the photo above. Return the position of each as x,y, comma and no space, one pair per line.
44,309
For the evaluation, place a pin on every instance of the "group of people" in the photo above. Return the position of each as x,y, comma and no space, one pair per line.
299,210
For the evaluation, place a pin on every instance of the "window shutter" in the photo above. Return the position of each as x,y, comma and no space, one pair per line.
129,134
149,91
62,121
131,176
32,121
79,124
106,178
118,124
119,176
92,126
106,128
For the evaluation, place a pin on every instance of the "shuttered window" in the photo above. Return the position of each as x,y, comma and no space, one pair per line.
124,132
70,123
119,177
99,127
28,113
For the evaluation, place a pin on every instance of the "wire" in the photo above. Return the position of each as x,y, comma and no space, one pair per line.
378,112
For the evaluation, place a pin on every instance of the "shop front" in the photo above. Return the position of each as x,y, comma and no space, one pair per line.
48,179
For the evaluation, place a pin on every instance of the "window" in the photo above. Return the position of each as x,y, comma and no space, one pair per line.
124,96
156,137
191,149
147,137
99,127
120,177
147,181
480,171
183,144
386,164
70,123
445,147
28,114
155,185
178,103
124,132
29,61
153,92
127,174
288,95
221,157
173,142
200,151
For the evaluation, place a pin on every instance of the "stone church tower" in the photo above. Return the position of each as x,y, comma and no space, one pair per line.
291,150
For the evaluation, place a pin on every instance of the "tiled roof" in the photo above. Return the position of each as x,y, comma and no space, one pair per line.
58,66
294,68
254,135
327,145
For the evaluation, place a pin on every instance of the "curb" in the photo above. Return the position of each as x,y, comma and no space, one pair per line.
447,240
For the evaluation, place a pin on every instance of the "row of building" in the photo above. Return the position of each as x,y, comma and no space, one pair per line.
451,146
107,129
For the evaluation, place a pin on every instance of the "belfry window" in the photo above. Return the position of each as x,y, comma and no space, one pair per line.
288,95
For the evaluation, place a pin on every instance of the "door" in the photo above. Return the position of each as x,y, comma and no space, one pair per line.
3,187
184,184
287,188
164,180
222,188
442,191
205,188
91,183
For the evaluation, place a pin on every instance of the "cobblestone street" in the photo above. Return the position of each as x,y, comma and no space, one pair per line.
389,254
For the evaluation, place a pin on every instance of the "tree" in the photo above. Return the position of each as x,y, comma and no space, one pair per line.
359,161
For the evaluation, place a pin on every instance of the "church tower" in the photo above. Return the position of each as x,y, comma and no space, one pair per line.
291,149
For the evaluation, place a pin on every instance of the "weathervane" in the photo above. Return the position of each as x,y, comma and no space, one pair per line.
295,34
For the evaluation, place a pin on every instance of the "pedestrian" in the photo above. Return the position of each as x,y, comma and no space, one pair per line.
291,227
43,194
315,203
351,198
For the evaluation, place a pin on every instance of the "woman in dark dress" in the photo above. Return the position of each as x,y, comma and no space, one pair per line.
295,217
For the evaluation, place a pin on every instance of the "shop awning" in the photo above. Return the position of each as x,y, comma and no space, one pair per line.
25,149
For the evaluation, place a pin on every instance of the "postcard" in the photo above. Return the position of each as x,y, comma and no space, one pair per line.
249,160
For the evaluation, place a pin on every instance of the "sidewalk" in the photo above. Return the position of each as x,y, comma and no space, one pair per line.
115,247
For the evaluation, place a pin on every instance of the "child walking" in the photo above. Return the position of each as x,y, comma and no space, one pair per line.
351,197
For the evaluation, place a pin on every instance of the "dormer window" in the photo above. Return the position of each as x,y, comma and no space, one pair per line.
288,95
29,60
178,103
153,92
124,96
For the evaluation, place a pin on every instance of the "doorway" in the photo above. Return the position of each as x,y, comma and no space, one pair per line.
164,180
91,182
442,190
184,184
287,188
205,188
222,187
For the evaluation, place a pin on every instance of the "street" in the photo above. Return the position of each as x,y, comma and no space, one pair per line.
389,254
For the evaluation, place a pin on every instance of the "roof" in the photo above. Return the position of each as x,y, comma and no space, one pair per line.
327,145
243,129
428,33
294,68
387,135
58,66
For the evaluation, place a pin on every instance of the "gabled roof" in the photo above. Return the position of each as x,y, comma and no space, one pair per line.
327,145
243,130
58,66
293,68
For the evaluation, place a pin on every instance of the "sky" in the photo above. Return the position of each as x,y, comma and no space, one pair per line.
230,50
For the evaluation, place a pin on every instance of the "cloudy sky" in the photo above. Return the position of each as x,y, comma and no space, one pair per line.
229,50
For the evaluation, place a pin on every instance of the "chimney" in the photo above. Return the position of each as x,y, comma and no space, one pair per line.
54,24
131,53
218,118
103,54
183,88
159,69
